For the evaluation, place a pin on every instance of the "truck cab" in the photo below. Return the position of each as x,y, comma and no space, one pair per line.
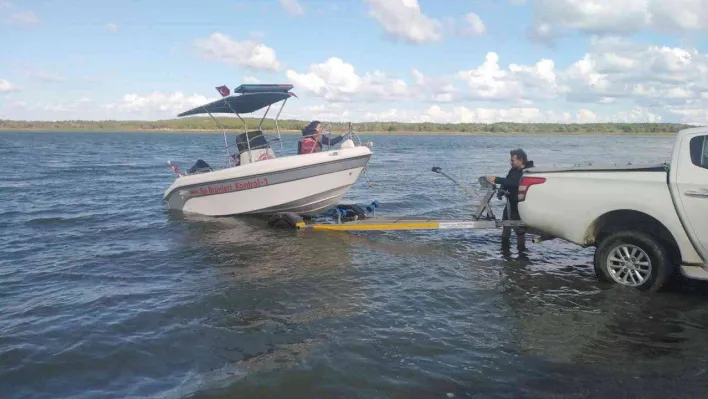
688,181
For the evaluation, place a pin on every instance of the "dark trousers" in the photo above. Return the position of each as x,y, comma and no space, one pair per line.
506,231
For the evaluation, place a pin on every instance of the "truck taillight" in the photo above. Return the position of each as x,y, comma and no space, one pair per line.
526,183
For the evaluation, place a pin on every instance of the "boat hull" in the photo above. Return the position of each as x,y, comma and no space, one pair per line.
304,184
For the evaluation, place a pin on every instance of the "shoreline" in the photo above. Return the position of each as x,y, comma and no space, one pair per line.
296,132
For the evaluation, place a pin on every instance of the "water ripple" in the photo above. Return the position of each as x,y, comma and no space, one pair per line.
107,294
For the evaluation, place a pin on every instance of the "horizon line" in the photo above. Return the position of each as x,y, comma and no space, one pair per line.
340,122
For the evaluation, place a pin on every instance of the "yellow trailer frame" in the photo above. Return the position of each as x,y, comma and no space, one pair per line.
392,223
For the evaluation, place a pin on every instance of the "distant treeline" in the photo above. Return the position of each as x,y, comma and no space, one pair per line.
206,124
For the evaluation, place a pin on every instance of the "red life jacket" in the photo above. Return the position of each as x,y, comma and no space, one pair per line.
310,145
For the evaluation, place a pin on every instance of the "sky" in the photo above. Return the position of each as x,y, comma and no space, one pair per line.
567,61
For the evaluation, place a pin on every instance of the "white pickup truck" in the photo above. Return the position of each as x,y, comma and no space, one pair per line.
645,221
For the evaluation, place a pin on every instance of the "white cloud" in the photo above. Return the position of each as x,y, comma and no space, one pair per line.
418,77
391,115
474,25
436,89
614,73
112,27
160,105
247,53
693,116
650,75
292,7
335,112
639,82
586,116
462,114
679,15
336,80
404,20
491,82
9,15
7,87
157,104
595,15
553,17
58,110
144,106
635,115
616,80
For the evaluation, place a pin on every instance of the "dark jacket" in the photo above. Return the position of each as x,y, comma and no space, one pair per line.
511,183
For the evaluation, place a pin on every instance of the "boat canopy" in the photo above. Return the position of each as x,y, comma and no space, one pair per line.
253,97
263,88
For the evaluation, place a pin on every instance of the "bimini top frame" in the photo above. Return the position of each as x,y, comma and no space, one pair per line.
252,98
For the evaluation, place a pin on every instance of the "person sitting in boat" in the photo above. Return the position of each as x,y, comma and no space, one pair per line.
312,139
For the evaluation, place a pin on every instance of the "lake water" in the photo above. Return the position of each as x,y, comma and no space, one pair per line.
105,294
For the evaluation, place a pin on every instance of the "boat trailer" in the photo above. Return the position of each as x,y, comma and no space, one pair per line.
352,217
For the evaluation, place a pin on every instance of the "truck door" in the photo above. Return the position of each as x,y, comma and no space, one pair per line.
692,185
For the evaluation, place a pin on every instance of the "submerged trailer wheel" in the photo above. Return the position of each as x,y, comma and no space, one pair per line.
633,259
354,209
287,220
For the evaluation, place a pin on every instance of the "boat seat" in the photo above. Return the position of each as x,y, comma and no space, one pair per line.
199,167
256,138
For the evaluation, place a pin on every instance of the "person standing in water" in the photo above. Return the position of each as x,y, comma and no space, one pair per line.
519,161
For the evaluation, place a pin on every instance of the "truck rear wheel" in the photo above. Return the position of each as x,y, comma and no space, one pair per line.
633,259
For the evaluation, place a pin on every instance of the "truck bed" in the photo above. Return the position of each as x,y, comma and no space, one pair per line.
570,200
659,167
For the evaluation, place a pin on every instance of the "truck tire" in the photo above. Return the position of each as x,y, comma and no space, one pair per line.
633,259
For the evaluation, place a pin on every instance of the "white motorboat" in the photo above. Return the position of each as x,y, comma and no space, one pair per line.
255,180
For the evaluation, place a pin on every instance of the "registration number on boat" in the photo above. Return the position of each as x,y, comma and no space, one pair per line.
235,186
